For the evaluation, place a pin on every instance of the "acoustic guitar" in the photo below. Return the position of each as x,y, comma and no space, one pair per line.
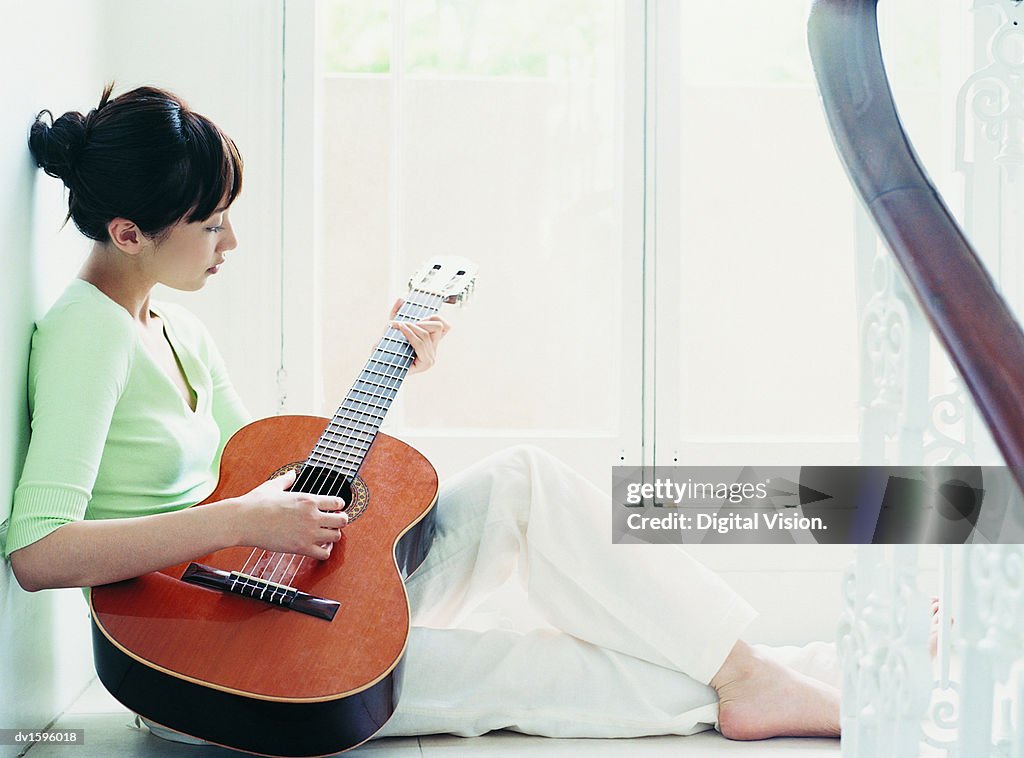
277,654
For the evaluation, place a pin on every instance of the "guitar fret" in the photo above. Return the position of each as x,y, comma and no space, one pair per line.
388,366
365,416
335,463
363,425
364,382
334,444
340,435
349,435
351,399
349,431
368,399
327,457
391,352
406,352
392,371
430,306
393,365
365,419
360,384
349,450
378,373
343,423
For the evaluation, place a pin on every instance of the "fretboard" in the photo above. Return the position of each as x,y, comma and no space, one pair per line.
348,435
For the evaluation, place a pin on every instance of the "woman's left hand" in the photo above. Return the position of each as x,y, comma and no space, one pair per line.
423,335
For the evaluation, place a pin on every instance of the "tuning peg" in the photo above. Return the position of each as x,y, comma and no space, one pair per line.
464,298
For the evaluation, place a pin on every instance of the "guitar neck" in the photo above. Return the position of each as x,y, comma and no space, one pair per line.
349,434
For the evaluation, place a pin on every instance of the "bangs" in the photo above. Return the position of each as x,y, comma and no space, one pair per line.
143,156
212,174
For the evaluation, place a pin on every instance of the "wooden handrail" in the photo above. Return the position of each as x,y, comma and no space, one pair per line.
955,291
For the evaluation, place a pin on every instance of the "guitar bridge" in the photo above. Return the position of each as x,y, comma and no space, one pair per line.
260,589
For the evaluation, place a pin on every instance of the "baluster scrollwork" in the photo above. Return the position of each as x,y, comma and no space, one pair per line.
883,643
949,436
994,94
894,358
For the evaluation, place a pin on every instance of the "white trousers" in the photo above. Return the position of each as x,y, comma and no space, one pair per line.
527,617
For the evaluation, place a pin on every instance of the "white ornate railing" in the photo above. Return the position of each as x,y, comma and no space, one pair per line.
966,703
883,639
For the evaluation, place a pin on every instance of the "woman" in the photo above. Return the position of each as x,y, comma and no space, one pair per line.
131,407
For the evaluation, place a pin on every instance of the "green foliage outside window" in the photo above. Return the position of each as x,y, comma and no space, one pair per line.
490,38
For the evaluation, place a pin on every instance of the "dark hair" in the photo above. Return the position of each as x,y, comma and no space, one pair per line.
143,156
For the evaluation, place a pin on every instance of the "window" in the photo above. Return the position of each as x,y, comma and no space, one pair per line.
501,137
667,242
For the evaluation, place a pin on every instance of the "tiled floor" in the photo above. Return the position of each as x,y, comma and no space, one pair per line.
110,731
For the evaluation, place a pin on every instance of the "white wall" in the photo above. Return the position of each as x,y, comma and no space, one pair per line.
225,60
48,56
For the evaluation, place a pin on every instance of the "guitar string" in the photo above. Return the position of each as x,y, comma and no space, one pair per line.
392,382
319,485
396,378
324,478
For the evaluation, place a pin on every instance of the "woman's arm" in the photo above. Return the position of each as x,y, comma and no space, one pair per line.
90,553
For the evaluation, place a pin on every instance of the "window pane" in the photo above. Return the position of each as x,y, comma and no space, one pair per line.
522,175
520,38
768,342
752,43
356,36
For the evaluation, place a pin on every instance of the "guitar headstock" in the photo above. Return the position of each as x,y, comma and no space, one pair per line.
446,276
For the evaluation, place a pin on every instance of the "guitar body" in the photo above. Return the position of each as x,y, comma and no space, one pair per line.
264,678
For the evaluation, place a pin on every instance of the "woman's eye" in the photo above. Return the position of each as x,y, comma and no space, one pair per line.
215,228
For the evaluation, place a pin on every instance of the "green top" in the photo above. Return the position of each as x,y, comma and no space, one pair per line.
112,435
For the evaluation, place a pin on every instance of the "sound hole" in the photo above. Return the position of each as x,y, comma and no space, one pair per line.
320,480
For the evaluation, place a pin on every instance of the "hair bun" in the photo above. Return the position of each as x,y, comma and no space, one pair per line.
142,156
56,147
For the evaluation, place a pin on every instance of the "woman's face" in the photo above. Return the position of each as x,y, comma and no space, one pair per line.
192,252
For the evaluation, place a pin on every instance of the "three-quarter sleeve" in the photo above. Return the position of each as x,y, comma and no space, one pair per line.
78,369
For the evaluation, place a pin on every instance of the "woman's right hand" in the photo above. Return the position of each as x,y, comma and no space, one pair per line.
273,518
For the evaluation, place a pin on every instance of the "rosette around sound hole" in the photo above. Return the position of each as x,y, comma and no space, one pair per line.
321,480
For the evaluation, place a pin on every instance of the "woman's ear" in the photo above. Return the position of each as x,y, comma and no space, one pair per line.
127,236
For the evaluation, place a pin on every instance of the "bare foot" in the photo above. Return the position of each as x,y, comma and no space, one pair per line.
758,699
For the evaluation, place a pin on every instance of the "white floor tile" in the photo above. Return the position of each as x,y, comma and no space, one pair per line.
710,744
110,733
95,699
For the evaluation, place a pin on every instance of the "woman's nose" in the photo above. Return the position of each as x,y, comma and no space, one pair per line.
228,239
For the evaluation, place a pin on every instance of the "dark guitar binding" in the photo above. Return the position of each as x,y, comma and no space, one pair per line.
262,727
278,654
